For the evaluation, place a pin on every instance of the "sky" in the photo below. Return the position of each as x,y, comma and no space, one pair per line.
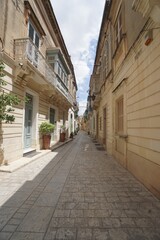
79,22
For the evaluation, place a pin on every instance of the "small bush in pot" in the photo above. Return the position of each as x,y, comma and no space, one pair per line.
62,133
46,129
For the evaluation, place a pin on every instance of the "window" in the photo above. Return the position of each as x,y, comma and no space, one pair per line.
108,55
36,40
34,45
118,29
103,70
100,120
94,123
65,80
33,35
61,74
56,60
52,61
59,69
51,58
52,65
120,115
31,32
52,115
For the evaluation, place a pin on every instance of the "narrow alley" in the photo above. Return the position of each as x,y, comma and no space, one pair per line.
76,192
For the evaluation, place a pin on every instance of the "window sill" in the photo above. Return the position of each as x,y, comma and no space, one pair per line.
122,135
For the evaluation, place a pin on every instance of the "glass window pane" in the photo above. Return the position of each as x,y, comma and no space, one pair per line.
52,115
120,115
31,31
37,40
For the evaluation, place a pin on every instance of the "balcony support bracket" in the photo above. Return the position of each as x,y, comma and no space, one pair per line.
22,74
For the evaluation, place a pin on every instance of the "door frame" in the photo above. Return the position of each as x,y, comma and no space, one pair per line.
35,133
54,136
105,126
28,118
97,125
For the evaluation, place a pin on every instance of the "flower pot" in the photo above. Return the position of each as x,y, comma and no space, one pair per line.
46,141
62,136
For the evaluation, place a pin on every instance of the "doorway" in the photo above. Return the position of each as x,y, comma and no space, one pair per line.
52,120
104,126
28,121
97,126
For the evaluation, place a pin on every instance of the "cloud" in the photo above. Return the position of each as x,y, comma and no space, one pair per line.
82,106
79,21
82,71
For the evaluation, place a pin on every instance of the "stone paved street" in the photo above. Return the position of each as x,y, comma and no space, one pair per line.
77,192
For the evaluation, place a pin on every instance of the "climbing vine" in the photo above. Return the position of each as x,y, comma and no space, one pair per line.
7,100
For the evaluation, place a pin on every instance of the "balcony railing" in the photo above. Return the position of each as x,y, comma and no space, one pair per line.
26,50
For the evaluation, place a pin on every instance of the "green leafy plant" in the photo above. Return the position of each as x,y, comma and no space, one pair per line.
7,100
46,128
63,128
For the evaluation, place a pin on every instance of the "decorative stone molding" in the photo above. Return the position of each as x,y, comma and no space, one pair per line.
22,75
148,8
141,6
155,13
125,136
96,101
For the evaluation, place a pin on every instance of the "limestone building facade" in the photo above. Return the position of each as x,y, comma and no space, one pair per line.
39,67
124,96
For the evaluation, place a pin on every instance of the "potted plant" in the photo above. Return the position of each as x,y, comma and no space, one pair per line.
46,129
62,133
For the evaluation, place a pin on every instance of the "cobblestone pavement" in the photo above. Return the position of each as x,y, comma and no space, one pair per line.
76,193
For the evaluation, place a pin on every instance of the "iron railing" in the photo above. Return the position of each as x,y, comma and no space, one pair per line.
25,49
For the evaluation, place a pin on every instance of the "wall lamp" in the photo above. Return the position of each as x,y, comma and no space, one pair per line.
21,64
92,97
